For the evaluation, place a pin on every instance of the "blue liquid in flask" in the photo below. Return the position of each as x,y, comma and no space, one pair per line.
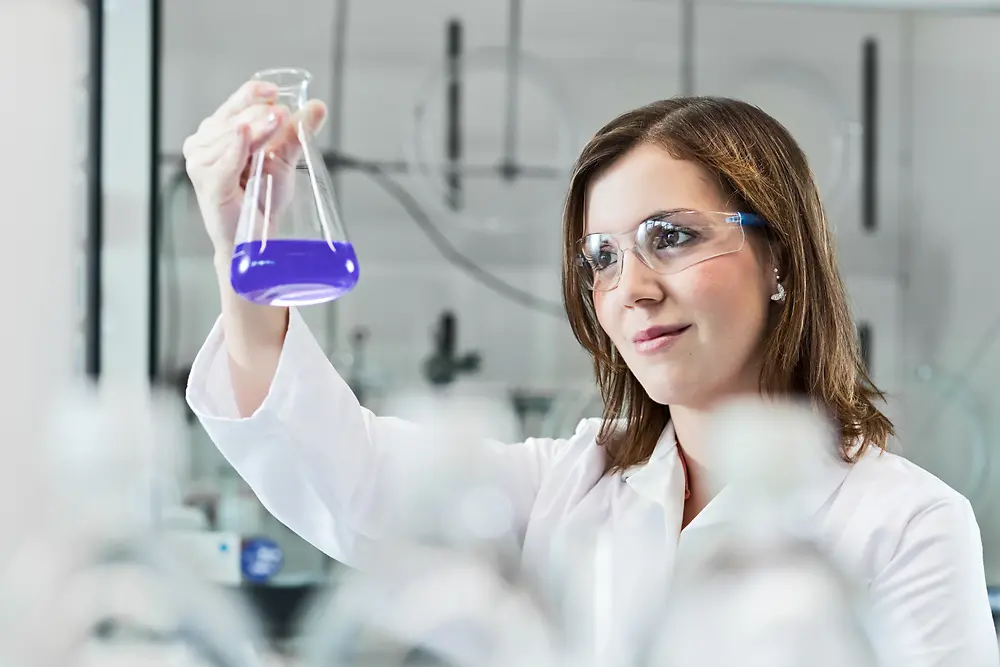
293,272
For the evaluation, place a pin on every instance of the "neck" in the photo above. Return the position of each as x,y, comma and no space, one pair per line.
691,428
704,480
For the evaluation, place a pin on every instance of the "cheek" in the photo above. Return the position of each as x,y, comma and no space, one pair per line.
725,297
603,306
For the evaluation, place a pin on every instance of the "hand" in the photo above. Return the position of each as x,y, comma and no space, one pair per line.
218,155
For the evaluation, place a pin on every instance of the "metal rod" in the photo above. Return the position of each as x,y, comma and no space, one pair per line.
336,110
453,118
335,161
336,123
865,344
687,40
95,194
869,149
155,219
509,164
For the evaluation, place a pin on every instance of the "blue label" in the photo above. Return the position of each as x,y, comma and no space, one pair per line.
261,559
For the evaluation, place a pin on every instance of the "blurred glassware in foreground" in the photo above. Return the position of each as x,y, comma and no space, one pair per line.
442,580
764,591
95,582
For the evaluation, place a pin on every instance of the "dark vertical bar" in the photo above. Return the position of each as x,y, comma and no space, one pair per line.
869,155
453,139
336,124
865,343
155,219
95,193
688,26
509,163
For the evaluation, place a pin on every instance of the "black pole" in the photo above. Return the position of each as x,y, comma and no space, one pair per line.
869,155
95,203
453,119
155,219
865,343
509,162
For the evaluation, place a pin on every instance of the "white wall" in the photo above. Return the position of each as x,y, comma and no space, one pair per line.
936,175
952,298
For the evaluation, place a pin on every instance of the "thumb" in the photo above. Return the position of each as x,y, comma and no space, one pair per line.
316,114
287,144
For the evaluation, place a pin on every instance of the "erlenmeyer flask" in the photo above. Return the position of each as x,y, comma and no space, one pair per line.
291,245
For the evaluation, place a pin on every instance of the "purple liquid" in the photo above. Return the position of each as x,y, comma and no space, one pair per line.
293,272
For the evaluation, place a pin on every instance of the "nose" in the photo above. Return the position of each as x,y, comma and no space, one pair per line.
638,283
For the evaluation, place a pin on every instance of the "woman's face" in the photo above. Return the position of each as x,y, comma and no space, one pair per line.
723,302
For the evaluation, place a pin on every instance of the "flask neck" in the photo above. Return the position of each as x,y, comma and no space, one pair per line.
293,85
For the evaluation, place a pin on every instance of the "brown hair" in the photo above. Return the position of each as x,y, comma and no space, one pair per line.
812,348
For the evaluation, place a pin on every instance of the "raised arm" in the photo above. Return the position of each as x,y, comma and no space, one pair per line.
273,404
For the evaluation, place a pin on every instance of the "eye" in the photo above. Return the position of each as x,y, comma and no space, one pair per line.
663,235
600,254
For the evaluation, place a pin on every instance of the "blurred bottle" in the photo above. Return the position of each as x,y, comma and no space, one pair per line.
764,591
429,605
442,581
94,581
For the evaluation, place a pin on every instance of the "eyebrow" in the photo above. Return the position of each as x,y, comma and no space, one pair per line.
651,216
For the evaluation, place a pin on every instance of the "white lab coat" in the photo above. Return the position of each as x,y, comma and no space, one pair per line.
324,466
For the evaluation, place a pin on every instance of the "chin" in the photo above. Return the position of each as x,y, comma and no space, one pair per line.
669,391
680,386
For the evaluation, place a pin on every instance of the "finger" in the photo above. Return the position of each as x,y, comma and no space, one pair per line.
227,163
316,114
251,92
287,145
263,120
233,162
211,155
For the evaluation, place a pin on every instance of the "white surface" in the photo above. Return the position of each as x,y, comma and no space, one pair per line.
344,479
214,557
42,193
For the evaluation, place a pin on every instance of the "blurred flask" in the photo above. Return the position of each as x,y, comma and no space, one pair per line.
763,591
292,247
94,582
428,604
441,582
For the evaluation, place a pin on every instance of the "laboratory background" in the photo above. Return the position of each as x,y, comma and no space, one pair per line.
453,126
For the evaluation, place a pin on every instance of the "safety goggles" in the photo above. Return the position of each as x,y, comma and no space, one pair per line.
667,243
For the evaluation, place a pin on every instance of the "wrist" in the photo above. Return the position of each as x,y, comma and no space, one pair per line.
222,260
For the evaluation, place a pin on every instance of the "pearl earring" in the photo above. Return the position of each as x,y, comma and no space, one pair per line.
778,296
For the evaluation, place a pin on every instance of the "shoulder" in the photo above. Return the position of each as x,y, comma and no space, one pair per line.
922,559
890,508
887,479
579,450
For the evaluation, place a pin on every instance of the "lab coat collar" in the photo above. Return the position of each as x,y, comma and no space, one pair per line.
652,479
659,480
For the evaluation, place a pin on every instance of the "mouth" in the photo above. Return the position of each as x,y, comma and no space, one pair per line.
655,339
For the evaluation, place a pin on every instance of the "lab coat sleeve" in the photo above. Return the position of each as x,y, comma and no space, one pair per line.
933,594
325,466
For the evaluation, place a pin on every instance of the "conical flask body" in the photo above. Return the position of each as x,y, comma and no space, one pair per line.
291,245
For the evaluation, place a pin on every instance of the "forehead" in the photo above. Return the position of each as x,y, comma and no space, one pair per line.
645,180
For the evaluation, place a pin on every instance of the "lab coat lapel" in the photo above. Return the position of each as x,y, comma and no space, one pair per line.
645,548
662,481
814,493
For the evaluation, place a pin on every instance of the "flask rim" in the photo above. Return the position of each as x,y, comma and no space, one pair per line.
284,77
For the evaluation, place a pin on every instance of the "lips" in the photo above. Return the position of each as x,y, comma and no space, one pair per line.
655,339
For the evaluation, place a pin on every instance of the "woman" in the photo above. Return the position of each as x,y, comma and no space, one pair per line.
697,267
